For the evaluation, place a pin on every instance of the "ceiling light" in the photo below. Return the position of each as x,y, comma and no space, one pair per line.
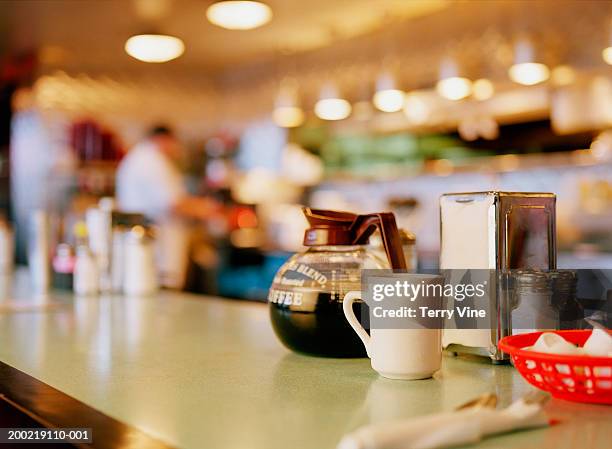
390,100
483,89
332,109
529,73
331,106
606,54
239,14
154,47
452,86
387,98
287,112
525,69
288,116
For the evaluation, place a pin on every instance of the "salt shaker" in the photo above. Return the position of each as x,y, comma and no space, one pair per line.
86,274
140,276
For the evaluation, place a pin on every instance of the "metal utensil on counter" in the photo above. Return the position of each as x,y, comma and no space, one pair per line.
484,400
536,397
467,424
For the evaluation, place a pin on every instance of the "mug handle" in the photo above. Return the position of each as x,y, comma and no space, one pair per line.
347,307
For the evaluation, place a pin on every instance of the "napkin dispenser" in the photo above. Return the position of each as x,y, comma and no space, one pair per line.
497,231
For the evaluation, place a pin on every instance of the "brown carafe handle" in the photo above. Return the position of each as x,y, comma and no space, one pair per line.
365,225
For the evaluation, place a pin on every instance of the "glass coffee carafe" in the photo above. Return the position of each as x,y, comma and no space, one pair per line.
306,294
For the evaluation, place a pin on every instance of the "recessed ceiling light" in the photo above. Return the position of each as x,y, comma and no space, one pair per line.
287,111
332,109
526,69
154,47
529,73
390,100
330,106
239,14
288,116
454,88
606,54
452,85
387,97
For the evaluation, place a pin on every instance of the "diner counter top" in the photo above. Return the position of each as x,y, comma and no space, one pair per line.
195,371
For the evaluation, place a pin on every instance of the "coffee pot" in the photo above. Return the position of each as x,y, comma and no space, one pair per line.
306,295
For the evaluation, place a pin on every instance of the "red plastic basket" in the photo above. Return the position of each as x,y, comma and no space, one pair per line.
574,378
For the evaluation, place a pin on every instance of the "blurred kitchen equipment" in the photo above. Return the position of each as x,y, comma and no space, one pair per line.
406,210
140,274
306,294
118,258
495,231
7,247
122,222
86,272
408,240
38,252
99,227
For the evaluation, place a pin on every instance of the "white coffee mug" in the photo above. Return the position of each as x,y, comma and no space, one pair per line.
407,354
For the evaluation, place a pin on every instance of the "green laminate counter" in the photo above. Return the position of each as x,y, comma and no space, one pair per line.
199,372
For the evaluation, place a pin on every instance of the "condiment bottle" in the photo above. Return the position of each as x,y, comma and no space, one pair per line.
86,275
140,277
63,266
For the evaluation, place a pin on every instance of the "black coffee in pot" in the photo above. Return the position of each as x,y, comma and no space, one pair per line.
323,330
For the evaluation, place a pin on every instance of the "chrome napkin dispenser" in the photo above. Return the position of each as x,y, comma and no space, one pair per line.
496,231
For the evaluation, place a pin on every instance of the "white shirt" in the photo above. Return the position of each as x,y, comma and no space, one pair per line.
150,184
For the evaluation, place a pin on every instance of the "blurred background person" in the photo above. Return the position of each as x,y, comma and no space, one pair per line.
149,182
